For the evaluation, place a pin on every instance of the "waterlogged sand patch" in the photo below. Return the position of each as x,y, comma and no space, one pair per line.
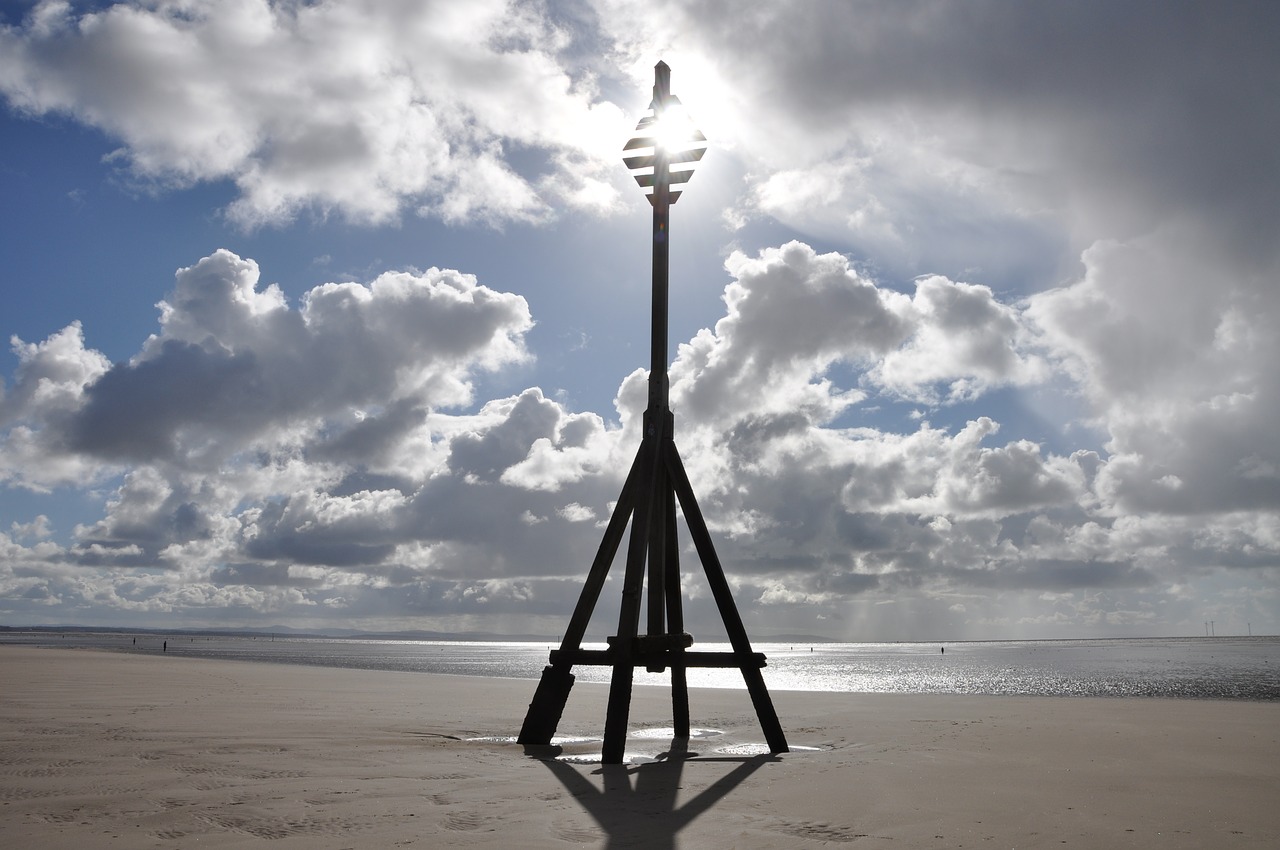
557,741
669,732
654,744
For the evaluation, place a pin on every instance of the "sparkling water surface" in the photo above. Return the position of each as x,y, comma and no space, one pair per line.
1192,668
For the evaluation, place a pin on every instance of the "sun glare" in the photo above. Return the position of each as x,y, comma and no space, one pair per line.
700,87
672,137
675,130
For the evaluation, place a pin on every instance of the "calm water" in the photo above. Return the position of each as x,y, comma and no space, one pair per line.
1190,668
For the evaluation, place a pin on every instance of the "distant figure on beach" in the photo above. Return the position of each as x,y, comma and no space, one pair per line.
135,641
944,650
166,646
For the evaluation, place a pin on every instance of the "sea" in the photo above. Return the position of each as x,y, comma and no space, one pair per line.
1230,668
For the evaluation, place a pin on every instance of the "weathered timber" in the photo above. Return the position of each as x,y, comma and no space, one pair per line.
655,485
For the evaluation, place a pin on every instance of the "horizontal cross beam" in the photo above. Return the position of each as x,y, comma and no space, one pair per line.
658,658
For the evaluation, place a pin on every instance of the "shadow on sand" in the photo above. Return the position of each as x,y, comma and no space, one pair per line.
644,813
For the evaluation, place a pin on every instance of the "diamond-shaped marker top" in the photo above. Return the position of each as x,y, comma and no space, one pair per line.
665,137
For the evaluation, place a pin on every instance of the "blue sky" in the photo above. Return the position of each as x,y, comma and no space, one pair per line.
335,314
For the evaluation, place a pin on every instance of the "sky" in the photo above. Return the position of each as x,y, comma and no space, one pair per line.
335,314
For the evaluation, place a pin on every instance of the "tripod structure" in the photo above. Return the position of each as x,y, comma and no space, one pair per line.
656,482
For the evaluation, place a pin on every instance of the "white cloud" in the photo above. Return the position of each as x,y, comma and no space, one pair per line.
793,314
218,415
1087,209
943,137
1169,341
577,513
50,382
364,108
963,339
233,365
38,529
1003,148
367,491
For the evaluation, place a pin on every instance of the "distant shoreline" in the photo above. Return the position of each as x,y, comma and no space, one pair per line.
1180,668
494,637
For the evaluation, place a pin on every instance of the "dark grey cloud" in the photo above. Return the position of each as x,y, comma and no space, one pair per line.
1107,104
137,411
280,534
373,439
261,575
488,454
1058,575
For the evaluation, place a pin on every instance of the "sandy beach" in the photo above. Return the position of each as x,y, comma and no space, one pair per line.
135,751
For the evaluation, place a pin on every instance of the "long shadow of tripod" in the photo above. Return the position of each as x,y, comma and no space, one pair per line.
646,814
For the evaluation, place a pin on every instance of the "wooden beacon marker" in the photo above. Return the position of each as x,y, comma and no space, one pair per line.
656,483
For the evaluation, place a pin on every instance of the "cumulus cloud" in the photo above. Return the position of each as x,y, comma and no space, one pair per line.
939,137
234,368
379,492
1093,170
1065,201
363,108
48,388
261,455
847,513
964,343
793,313
1171,347
933,136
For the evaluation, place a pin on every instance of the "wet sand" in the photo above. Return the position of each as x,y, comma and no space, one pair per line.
102,750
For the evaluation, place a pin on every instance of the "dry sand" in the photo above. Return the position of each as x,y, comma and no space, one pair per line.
101,750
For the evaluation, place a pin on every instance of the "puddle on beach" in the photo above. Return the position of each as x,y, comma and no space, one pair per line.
557,741
761,749
752,749
654,754
669,732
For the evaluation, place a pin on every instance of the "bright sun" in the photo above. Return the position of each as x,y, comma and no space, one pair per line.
682,132
703,93
675,129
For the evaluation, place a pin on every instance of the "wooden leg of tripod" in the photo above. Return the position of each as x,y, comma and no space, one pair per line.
619,708
728,610
549,699
675,619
